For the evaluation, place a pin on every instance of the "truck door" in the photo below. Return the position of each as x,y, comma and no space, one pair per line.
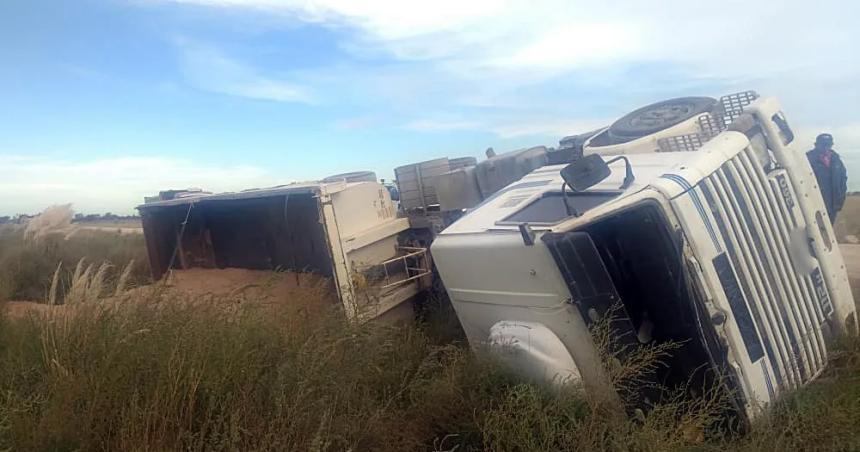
597,299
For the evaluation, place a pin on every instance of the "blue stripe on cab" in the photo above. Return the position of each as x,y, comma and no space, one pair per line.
770,391
694,196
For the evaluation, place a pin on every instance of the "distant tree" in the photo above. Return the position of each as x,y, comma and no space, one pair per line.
21,218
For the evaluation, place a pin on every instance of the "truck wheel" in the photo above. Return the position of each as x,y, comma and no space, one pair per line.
656,117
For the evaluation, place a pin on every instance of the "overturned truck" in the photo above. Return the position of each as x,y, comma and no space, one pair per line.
693,221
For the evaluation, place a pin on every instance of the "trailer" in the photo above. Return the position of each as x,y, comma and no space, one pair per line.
343,229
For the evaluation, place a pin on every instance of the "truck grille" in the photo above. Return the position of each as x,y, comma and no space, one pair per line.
755,215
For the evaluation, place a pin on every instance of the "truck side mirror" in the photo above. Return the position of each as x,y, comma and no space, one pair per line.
585,172
590,170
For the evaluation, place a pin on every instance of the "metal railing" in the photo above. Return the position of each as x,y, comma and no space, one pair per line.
413,264
710,124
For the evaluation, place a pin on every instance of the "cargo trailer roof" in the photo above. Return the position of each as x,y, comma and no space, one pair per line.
280,190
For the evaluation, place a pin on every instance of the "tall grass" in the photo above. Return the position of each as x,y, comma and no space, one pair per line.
159,372
28,266
104,368
152,370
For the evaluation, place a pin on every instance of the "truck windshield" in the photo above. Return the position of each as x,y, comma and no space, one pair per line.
549,208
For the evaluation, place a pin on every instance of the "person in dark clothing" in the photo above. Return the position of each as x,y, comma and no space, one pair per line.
830,173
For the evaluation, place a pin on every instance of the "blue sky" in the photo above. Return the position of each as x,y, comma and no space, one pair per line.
105,101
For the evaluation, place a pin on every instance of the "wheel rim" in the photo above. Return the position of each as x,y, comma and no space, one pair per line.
663,115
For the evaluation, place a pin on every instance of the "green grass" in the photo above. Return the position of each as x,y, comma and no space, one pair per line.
155,370
823,416
27,266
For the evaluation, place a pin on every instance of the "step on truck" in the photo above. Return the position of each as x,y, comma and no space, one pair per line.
693,221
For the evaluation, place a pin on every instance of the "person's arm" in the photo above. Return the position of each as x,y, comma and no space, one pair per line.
840,183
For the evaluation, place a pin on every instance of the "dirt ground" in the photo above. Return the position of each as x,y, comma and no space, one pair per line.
110,224
18,309
851,255
118,230
255,287
264,286
848,221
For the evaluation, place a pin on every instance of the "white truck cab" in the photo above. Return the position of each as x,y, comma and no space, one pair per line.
721,243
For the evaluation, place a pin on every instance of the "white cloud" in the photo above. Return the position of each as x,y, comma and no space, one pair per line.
118,185
507,58
555,127
455,53
729,37
563,46
355,123
443,124
506,127
384,19
209,69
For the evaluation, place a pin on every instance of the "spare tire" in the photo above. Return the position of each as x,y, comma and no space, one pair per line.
660,116
355,176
